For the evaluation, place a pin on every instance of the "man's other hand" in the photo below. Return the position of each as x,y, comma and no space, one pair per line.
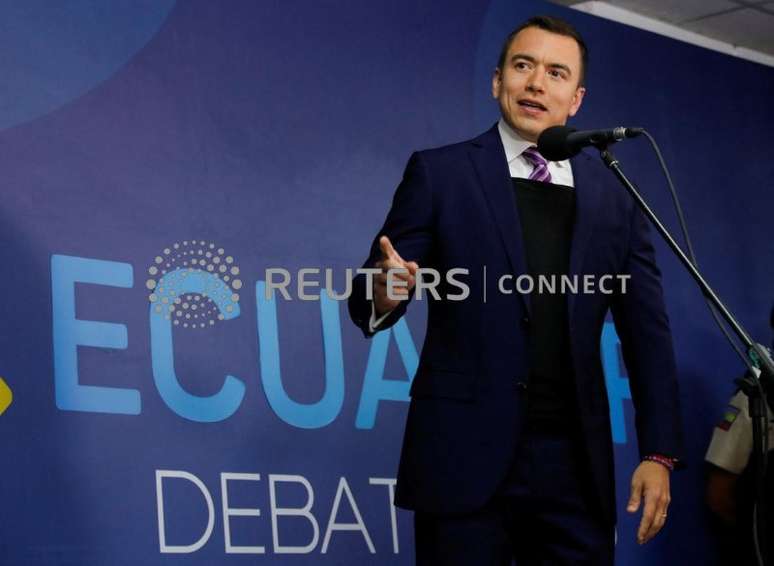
650,481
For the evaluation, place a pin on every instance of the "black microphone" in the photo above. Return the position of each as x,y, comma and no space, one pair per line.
558,143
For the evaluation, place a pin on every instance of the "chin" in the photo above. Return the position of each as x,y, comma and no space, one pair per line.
529,131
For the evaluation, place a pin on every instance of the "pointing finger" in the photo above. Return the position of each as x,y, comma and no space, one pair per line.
388,252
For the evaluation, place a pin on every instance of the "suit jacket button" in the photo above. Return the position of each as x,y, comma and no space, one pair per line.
521,385
525,322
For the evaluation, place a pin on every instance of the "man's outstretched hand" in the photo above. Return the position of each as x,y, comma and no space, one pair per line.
391,260
651,481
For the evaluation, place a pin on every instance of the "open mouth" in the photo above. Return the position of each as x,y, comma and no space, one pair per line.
532,105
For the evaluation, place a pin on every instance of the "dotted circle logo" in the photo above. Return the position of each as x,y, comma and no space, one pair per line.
170,279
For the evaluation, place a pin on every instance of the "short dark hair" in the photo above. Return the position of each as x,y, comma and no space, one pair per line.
554,25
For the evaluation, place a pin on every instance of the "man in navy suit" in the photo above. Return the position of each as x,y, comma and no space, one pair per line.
507,451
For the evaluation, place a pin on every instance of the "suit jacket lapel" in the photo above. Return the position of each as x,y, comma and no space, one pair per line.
587,206
491,167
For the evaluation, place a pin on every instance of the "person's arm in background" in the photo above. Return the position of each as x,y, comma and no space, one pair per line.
721,495
405,241
727,456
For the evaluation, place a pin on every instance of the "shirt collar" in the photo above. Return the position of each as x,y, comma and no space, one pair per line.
514,144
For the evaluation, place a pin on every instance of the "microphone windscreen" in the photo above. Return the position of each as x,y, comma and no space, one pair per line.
552,143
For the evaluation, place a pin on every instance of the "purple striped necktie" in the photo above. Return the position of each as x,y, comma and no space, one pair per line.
540,171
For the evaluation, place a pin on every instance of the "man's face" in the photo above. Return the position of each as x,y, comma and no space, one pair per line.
538,84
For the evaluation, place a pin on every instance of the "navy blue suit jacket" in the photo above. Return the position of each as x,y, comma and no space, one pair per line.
455,207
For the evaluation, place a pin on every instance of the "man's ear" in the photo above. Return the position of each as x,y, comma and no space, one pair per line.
577,99
497,81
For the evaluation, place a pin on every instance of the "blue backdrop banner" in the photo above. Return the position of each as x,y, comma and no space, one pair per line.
159,159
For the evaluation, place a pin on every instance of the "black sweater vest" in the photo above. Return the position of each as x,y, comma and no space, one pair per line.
547,215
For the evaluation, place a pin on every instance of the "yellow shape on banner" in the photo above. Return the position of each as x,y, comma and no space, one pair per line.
5,396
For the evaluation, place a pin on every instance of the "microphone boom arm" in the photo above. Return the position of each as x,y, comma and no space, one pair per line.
757,355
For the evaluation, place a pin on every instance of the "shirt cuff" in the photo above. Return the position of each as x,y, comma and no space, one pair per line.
374,322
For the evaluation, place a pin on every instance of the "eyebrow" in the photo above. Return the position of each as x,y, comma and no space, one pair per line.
531,59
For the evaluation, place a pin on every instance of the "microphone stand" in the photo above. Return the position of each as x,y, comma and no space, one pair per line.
759,379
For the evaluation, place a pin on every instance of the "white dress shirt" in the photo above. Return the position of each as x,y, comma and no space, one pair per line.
514,145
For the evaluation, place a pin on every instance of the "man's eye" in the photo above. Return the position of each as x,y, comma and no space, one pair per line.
556,74
521,65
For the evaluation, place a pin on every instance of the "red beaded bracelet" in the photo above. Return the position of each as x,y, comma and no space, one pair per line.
667,462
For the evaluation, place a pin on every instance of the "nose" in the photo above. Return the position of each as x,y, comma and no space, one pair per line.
535,83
